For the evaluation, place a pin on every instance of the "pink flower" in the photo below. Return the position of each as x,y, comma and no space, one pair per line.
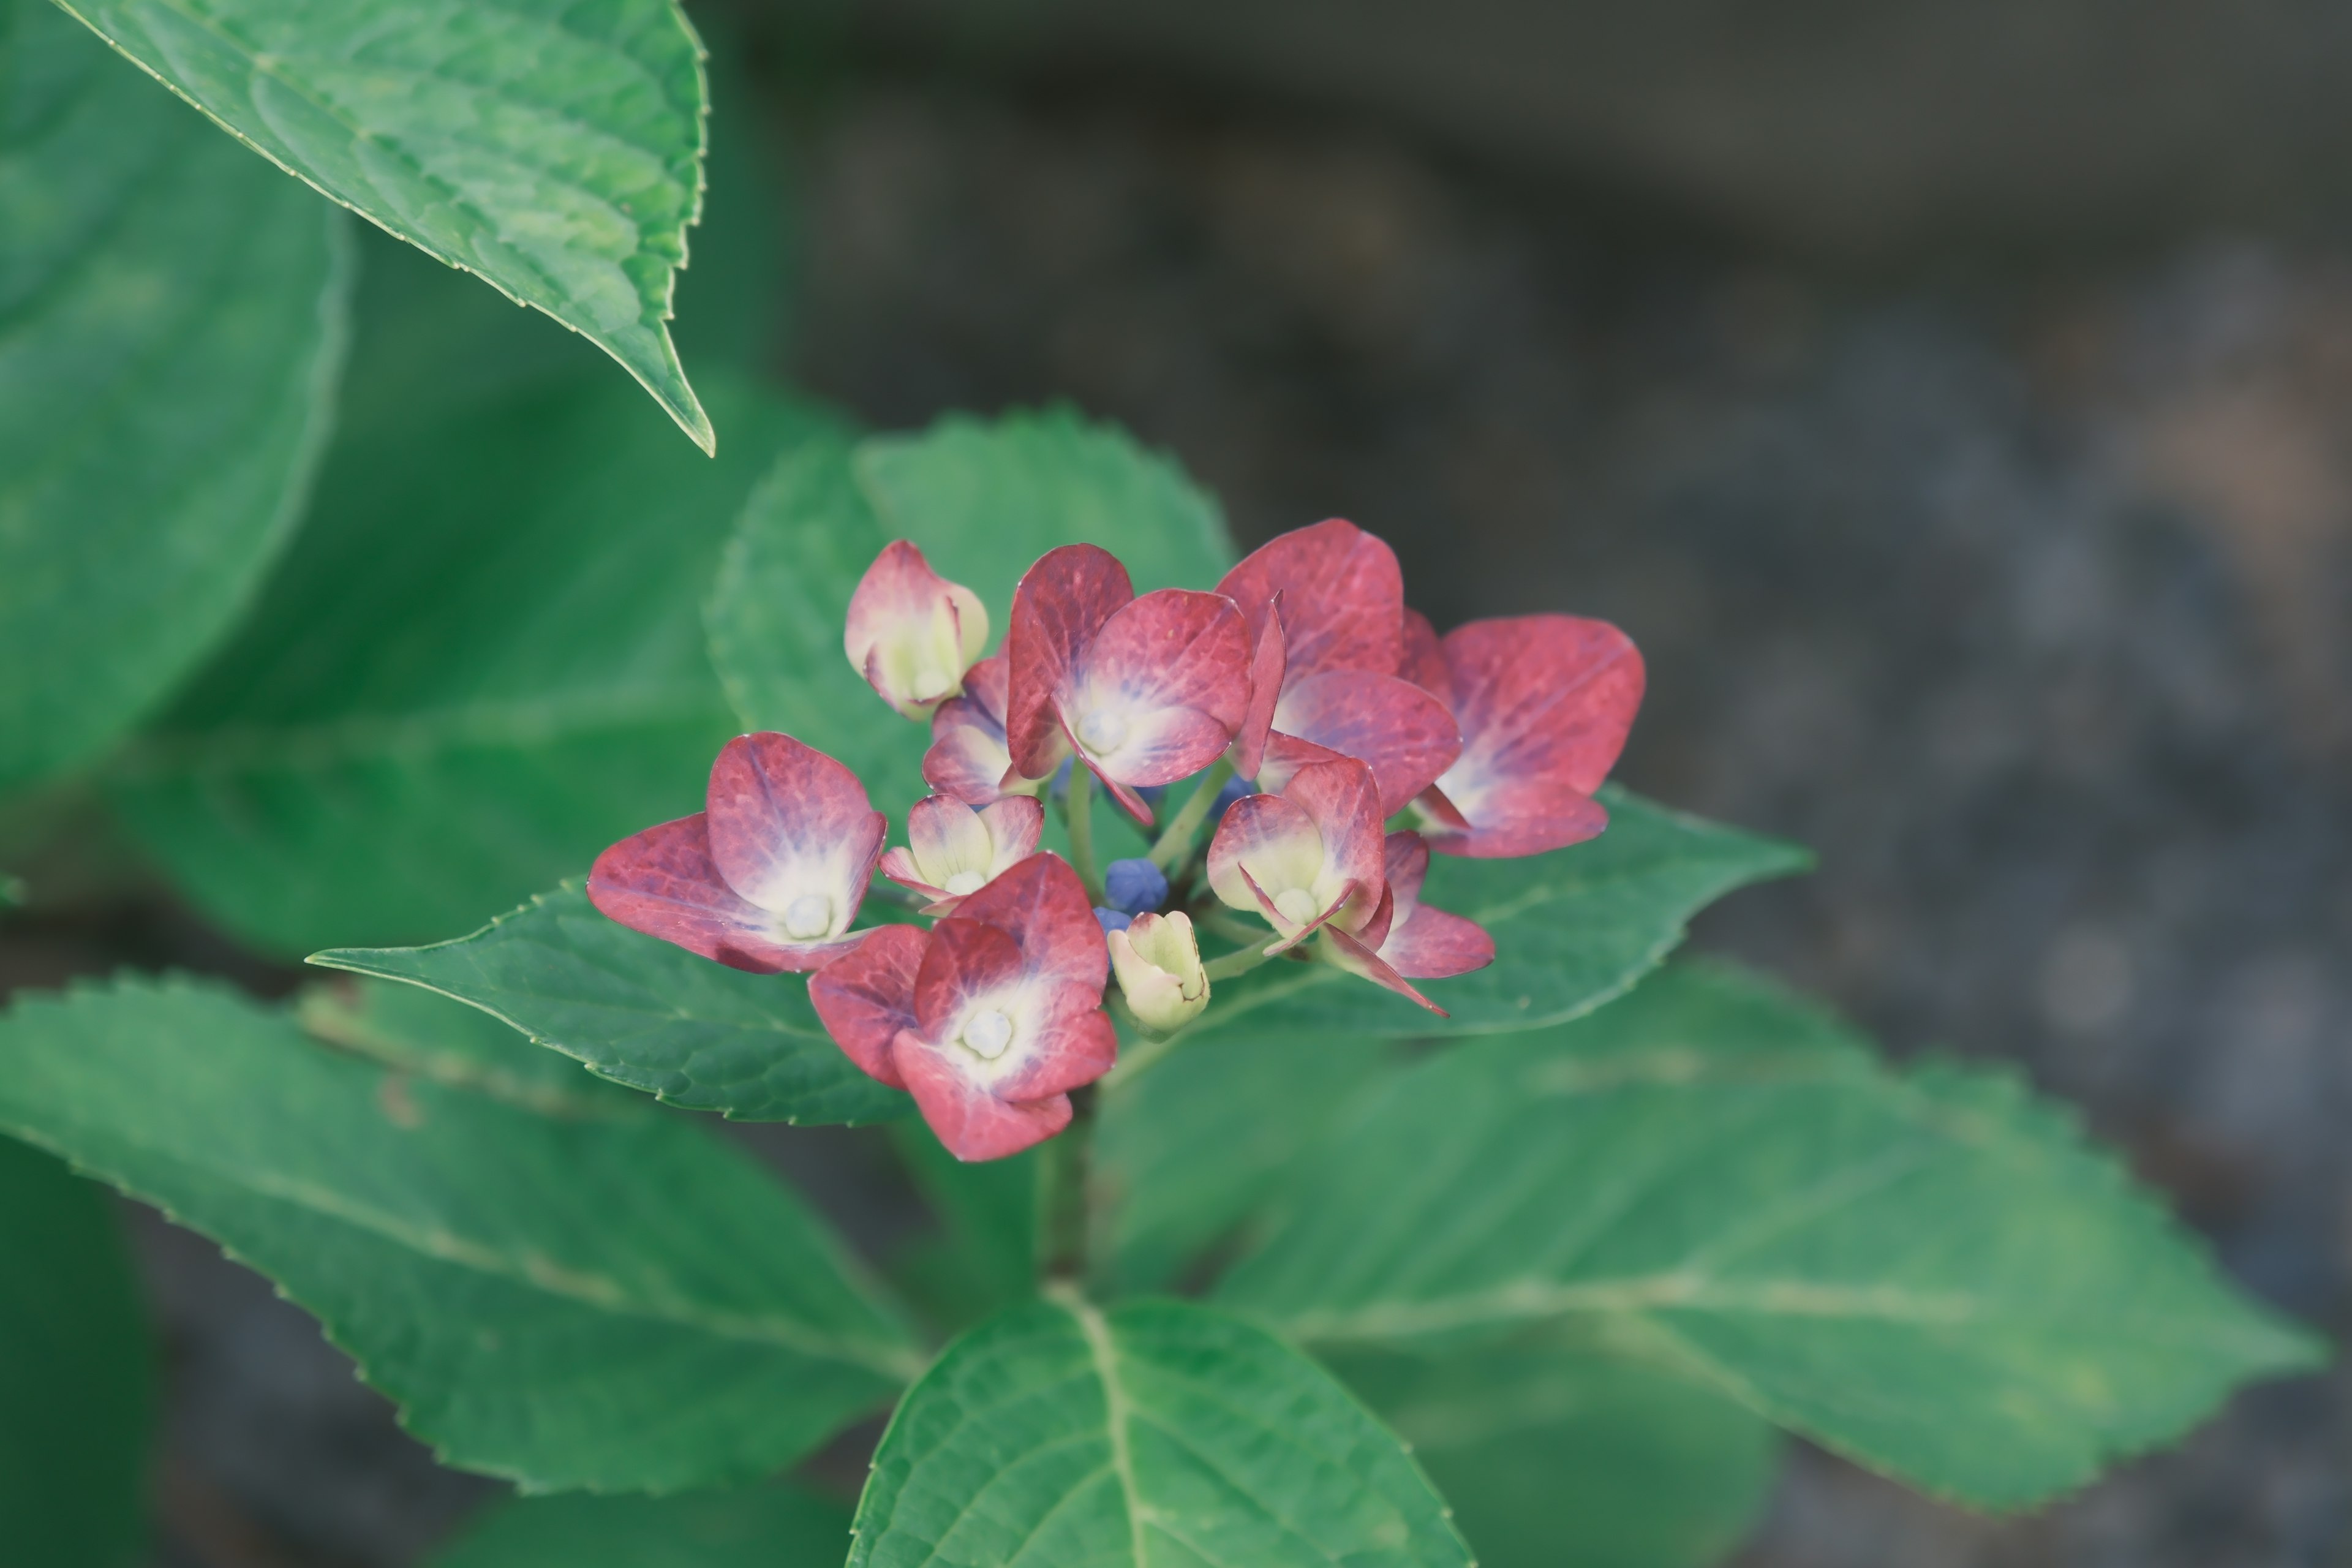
967,758
1307,858
953,851
767,876
1544,703
1425,942
1326,611
912,633
990,1018
1145,691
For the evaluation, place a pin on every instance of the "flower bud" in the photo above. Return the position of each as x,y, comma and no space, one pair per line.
1159,967
911,632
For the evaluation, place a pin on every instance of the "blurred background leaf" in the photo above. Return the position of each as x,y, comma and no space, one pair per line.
768,1527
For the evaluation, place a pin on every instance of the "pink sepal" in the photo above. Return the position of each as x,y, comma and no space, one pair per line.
662,882
865,998
1267,663
1423,662
1044,906
1322,835
1170,672
1405,734
945,837
1544,703
1344,952
1423,943
1342,799
911,632
787,821
1061,602
967,758
969,1122
1342,598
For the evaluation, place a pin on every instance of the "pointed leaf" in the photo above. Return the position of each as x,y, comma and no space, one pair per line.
623,1305
552,150
643,1013
172,319
1160,1432
1929,1273
77,1371
767,1527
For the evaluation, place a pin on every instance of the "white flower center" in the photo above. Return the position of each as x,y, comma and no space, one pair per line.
965,882
1297,904
987,1032
808,917
1102,729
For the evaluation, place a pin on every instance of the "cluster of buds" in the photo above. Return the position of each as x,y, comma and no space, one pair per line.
1366,741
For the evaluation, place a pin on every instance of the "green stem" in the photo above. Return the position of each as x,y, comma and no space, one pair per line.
1078,811
1231,927
1240,963
1176,842
1061,1213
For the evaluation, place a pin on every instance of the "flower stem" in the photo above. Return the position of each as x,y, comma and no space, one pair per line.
1078,811
1060,1246
1240,963
1176,842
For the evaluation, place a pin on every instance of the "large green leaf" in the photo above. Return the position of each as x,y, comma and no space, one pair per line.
1552,1454
480,664
1160,1432
1929,1273
768,1527
643,1013
76,1371
1572,929
553,149
171,321
627,1304
984,499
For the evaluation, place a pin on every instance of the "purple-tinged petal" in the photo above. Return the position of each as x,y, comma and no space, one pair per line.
972,1123
1340,798
1014,825
1044,906
968,962
911,632
1161,690
1423,662
1268,662
1061,602
791,831
1344,952
662,882
1435,943
865,998
1072,1049
1405,734
1342,598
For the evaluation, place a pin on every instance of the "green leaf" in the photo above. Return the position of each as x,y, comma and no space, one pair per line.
643,1013
986,1257
1157,1432
76,1372
414,1030
480,664
172,318
622,1305
770,1527
1550,1453
1572,929
1186,1154
984,499
552,149
1927,1272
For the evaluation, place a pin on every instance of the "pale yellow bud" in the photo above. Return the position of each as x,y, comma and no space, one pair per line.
1159,966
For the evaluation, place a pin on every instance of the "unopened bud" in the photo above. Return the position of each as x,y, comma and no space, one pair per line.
1159,966
911,632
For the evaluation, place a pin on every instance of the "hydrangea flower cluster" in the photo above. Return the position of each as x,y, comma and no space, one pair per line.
1366,742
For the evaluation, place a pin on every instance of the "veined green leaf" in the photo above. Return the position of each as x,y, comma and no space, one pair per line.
1551,1453
767,1527
481,663
552,149
76,1372
623,1305
1572,929
643,1013
1160,1432
1927,1272
172,319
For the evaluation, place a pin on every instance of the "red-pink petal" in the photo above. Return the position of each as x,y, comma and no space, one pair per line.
1423,662
1344,952
662,882
967,758
1405,734
1268,662
867,997
1073,1049
1044,906
788,824
972,1123
1161,690
1404,862
1062,602
1340,798
1342,598
1276,838
967,959
1544,703
1432,944
899,865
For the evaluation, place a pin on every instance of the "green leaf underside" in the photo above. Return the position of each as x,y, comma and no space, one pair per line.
172,318
412,1031
481,663
767,1527
1550,1453
552,149
1157,1433
76,1371
643,1013
625,1305
1929,1273
1572,929
983,499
